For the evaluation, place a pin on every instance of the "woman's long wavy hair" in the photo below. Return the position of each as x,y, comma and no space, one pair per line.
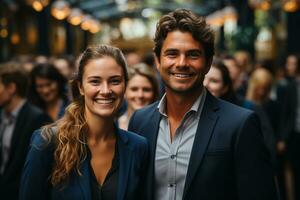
70,137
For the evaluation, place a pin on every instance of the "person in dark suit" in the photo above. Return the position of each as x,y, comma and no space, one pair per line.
201,147
84,155
288,96
18,120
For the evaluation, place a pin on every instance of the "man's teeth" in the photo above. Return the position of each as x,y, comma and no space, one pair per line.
104,101
182,75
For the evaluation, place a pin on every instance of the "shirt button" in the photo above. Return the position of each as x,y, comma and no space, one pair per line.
173,157
171,185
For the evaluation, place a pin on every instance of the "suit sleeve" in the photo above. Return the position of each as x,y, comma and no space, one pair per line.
132,122
35,177
254,171
144,169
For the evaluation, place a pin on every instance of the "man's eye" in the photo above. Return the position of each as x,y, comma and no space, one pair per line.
171,54
194,54
115,82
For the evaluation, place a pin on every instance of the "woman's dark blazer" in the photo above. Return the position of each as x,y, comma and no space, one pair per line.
133,152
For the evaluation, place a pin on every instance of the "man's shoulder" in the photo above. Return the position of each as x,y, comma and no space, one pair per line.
30,113
148,110
133,138
232,111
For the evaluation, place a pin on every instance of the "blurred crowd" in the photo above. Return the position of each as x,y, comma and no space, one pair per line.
270,89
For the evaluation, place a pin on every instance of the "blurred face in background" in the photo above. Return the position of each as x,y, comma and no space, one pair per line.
5,95
262,91
213,81
47,89
291,65
139,92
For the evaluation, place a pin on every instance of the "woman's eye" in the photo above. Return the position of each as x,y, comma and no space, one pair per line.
94,82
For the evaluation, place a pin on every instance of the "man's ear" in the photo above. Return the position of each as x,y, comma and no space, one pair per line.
157,62
208,65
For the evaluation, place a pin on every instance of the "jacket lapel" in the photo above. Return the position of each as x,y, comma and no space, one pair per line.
205,127
18,132
84,180
151,134
125,157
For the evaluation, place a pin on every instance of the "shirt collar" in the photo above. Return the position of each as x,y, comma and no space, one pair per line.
196,107
15,111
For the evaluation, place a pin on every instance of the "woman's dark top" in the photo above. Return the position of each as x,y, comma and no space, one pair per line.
109,189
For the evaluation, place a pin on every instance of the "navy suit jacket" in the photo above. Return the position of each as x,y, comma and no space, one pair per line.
35,179
29,119
229,160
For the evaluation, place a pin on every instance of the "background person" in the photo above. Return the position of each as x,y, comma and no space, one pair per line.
18,120
142,90
48,90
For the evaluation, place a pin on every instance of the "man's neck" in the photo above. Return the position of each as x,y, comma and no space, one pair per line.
178,104
13,104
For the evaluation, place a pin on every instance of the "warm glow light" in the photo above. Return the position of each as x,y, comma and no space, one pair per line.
15,38
75,17
290,6
86,23
60,9
230,13
265,5
3,33
215,19
260,4
95,27
37,5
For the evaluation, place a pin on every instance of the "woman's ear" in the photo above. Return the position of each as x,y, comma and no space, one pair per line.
81,91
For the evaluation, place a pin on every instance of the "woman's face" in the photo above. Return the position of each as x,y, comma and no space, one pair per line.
214,83
47,89
139,92
291,65
262,91
103,87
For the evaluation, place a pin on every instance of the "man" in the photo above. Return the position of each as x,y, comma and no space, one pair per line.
201,147
18,120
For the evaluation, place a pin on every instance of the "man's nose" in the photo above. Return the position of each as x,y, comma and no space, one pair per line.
182,61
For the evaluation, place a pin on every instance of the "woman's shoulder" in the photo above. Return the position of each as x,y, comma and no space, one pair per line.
43,138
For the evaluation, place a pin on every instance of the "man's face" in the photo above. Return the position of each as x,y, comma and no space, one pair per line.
182,63
5,94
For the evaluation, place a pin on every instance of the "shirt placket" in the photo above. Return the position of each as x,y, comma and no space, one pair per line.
172,164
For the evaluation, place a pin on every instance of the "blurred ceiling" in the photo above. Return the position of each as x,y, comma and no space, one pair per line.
106,10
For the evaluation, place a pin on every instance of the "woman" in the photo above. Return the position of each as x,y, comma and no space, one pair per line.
48,90
219,83
84,155
142,90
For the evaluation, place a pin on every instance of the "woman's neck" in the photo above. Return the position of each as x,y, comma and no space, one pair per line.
53,108
100,129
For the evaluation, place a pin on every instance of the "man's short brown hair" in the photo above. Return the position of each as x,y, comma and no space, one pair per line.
186,21
12,72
